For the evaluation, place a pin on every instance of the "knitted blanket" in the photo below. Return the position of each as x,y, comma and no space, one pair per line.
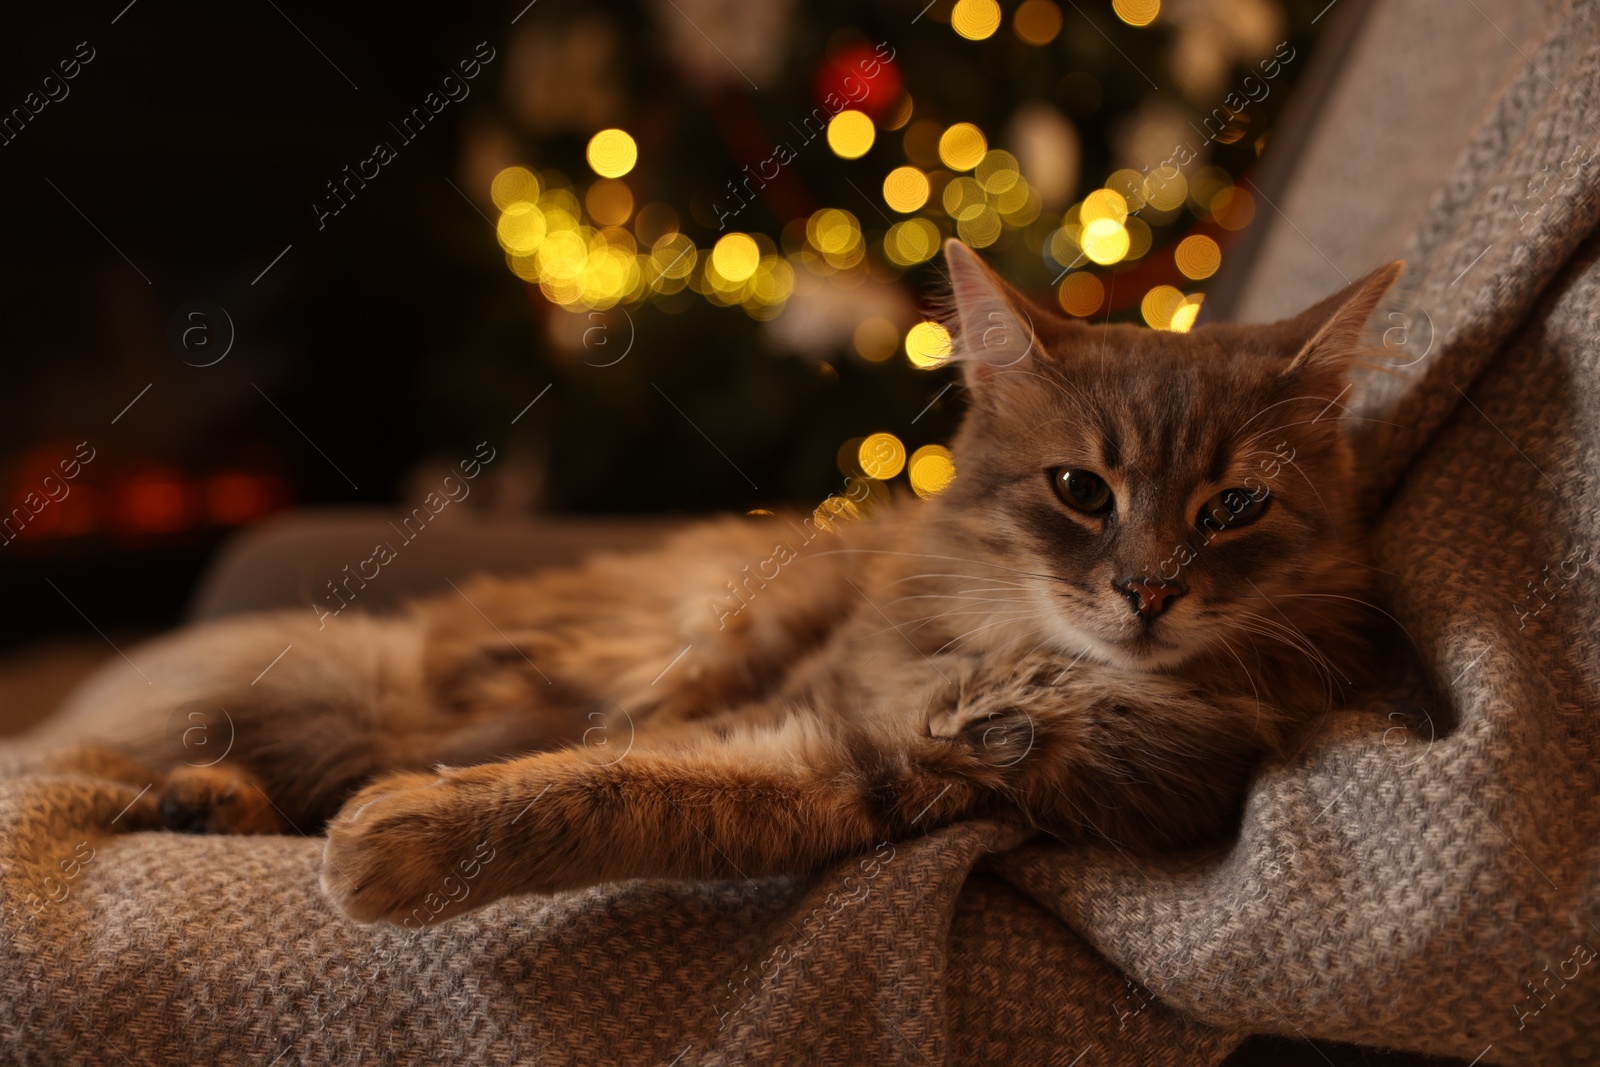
1423,874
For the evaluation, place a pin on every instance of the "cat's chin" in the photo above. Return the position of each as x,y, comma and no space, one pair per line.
1141,652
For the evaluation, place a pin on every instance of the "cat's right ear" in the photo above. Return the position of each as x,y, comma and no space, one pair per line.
1333,328
992,330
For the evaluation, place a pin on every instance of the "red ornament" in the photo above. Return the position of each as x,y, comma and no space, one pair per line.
860,78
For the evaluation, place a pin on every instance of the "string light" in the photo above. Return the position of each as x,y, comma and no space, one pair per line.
976,20
1105,241
612,153
1137,12
1197,257
1037,21
850,134
882,456
1081,294
876,339
1184,314
1233,208
736,257
927,345
932,469
910,242
513,184
962,146
905,189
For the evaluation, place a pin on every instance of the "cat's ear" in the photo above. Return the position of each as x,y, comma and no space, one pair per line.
992,330
1332,329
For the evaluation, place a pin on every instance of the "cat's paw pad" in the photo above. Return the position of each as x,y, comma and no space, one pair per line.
217,800
391,846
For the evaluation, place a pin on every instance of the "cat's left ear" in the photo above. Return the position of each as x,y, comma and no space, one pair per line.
993,331
1334,326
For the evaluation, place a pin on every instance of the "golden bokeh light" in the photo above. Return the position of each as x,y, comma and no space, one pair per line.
736,257
521,228
1205,184
612,153
976,20
997,172
1158,306
980,230
882,456
837,235
1139,237
1081,294
834,511
609,201
901,113
932,469
672,260
1137,12
1128,184
911,242
563,256
850,134
1103,204
1198,257
770,286
1063,246
654,222
876,339
1105,241
963,198
1184,314
905,189
1037,21
927,345
1165,189
513,184
1019,205
1233,208
962,146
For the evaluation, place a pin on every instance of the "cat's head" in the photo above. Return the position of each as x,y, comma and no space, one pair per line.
1167,492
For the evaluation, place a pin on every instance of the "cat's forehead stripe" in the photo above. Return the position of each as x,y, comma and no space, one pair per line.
1219,460
1110,446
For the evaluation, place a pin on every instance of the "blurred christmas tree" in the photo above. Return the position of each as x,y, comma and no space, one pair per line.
725,214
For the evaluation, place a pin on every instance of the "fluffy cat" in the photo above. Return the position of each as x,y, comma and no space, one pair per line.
1148,575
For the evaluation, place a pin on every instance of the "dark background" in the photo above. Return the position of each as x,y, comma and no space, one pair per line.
188,153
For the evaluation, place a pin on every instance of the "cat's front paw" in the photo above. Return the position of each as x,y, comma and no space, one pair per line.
218,799
400,851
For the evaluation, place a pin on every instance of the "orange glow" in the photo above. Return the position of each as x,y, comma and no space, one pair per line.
157,500
234,498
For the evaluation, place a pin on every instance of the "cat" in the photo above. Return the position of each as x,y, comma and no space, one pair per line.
1148,575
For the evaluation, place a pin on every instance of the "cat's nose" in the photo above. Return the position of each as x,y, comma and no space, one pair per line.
1149,597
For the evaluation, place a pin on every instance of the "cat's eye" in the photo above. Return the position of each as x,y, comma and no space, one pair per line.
1082,490
1233,507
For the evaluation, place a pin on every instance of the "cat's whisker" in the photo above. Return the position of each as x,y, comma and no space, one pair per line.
1350,417
1254,691
986,626
909,626
929,555
1288,637
1311,486
1325,681
920,621
966,595
1354,600
964,577
1279,404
